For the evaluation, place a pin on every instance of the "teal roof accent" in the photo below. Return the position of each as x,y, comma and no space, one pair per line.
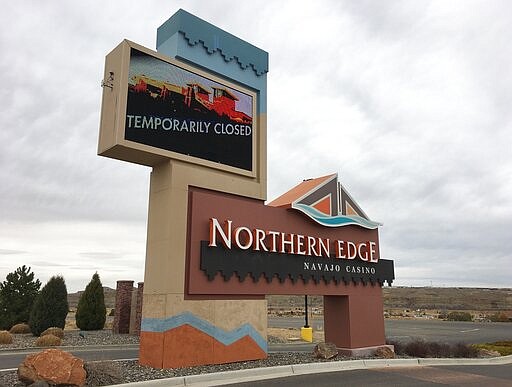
213,39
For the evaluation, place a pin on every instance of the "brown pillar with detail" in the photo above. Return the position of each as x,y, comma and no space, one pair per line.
123,307
355,322
138,313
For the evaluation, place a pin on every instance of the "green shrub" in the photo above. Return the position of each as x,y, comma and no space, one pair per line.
20,328
17,295
459,316
48,341
5,337
59,332
50,307
91,312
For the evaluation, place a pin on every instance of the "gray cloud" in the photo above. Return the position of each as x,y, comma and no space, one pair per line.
11,252
408,101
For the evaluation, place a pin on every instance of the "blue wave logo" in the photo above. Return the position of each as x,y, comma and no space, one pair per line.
335,220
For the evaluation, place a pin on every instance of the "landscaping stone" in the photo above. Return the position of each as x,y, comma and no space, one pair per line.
384,353
40,383
53,366
488,353
325,351
103,373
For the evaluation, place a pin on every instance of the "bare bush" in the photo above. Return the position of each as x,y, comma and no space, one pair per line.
463,350
398,346
417,348
422,349
438,350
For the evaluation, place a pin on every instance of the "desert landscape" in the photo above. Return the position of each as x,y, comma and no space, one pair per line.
484,304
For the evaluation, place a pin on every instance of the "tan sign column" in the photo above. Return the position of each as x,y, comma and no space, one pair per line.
177,331
199,121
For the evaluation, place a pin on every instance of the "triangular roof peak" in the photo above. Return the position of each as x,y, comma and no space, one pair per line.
301,190
326,201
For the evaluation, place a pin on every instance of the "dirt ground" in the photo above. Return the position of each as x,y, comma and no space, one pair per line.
293,334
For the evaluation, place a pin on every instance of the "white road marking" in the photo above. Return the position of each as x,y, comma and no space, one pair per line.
470,330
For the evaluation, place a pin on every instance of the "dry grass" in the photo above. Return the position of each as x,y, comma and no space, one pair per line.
468,299
20,328
58,332
293,334
48,340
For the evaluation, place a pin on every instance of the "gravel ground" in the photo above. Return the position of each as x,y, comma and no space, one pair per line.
73,338
107,373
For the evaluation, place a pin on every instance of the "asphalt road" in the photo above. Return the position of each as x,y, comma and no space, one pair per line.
463,375
396,330
450,332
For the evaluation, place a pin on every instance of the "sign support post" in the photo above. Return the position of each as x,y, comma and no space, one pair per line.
306,332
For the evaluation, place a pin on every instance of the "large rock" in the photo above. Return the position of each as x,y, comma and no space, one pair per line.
40,383
53,366
325,351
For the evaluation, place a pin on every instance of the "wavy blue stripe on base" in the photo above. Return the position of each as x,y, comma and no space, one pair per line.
164,324
335,221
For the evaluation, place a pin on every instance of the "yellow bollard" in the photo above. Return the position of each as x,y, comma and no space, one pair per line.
306,334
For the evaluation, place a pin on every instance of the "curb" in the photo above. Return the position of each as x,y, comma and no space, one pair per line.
253,374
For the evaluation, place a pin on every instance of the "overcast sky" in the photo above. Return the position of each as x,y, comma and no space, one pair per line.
417,94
